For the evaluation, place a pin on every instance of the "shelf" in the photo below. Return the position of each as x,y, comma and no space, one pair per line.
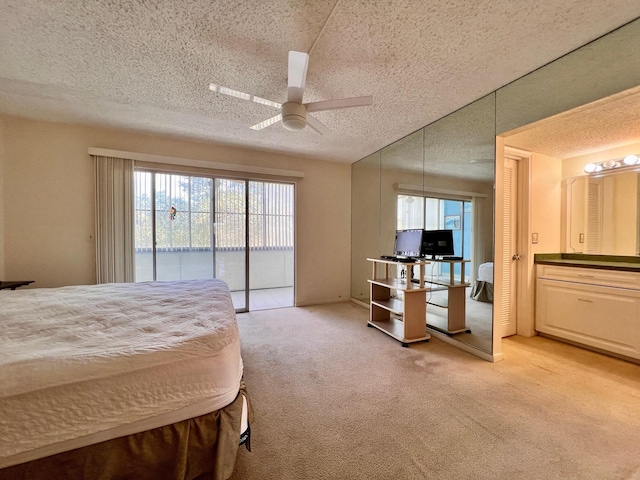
444,303
395,328
456,283
394,305
441,324
401,315
395,262
398,284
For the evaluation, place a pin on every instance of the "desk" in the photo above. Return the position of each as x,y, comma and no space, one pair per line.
15,284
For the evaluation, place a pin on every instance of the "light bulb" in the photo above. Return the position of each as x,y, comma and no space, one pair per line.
610,164
630,160
590,167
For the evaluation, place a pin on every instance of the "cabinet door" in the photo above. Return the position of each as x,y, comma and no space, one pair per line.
602,317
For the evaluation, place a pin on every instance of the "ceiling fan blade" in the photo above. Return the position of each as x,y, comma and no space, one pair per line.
267,122
298,63
317,125
244,96
339,103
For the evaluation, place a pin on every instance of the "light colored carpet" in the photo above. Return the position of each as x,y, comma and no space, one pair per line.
334,399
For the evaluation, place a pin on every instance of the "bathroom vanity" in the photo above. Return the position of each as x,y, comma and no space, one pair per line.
590,300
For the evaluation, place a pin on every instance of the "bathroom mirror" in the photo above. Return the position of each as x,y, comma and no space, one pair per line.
602,214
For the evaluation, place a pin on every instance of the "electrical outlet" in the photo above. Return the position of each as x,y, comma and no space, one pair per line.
534,238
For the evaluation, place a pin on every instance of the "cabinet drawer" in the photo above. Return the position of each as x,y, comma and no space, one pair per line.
602,317
591,276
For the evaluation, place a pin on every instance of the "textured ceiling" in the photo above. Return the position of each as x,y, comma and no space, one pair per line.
146,65
608,123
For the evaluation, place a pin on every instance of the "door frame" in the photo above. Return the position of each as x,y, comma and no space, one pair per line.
525,271
525,281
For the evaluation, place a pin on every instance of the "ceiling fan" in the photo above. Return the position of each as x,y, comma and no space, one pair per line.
294,113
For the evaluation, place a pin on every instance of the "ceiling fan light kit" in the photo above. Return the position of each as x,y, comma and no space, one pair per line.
294,116
293,113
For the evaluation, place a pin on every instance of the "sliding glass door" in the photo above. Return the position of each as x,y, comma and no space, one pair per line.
271,223
230,238
190,227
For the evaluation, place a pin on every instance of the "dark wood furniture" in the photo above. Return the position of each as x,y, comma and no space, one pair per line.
15,284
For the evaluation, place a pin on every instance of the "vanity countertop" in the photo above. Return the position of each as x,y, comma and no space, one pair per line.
605,262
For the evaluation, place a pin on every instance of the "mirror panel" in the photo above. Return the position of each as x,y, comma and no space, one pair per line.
602,214
459,176
401,165
606,66
439,177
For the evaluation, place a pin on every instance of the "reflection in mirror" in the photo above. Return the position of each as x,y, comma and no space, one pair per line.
439,177
458,194
599,210
602,214
401,163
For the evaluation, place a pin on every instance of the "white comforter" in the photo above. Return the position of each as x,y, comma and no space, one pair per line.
78,361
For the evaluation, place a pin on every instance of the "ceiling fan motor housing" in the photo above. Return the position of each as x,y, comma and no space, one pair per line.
294,116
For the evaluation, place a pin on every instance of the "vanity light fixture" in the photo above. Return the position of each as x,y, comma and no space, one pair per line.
628,161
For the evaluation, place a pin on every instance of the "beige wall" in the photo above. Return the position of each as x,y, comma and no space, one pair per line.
546,200
48,198
2,276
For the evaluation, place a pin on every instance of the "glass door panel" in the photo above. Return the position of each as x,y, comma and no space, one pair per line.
143,224
183,234
271,244
230,238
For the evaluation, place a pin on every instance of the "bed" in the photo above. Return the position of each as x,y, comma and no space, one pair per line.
482,289
141,380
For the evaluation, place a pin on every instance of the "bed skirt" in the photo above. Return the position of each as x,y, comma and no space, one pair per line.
482,291
199,448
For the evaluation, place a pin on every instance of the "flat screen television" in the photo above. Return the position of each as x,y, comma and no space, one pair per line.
408,243
437,243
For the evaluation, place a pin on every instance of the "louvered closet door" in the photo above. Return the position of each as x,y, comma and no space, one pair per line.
509,262
594,222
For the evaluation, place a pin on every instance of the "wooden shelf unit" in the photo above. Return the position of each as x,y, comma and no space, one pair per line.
403,319
456,305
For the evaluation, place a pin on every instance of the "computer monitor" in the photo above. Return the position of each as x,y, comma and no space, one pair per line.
436,243
408,243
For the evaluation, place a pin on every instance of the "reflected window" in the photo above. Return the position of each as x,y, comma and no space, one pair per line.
432,213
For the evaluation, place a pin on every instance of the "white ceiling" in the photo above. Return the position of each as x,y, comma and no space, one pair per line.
146,65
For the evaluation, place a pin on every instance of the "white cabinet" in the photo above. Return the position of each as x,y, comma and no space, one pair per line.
592,307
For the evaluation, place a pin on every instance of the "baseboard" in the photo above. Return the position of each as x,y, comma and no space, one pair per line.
321,302
360,303
467,348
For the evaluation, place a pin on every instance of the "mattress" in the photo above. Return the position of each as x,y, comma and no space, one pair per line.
485,272
84,364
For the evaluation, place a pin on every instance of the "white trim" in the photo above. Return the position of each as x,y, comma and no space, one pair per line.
516,153
493,358
405,187
190,162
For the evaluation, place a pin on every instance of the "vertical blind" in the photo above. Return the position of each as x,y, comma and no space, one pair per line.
114,220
